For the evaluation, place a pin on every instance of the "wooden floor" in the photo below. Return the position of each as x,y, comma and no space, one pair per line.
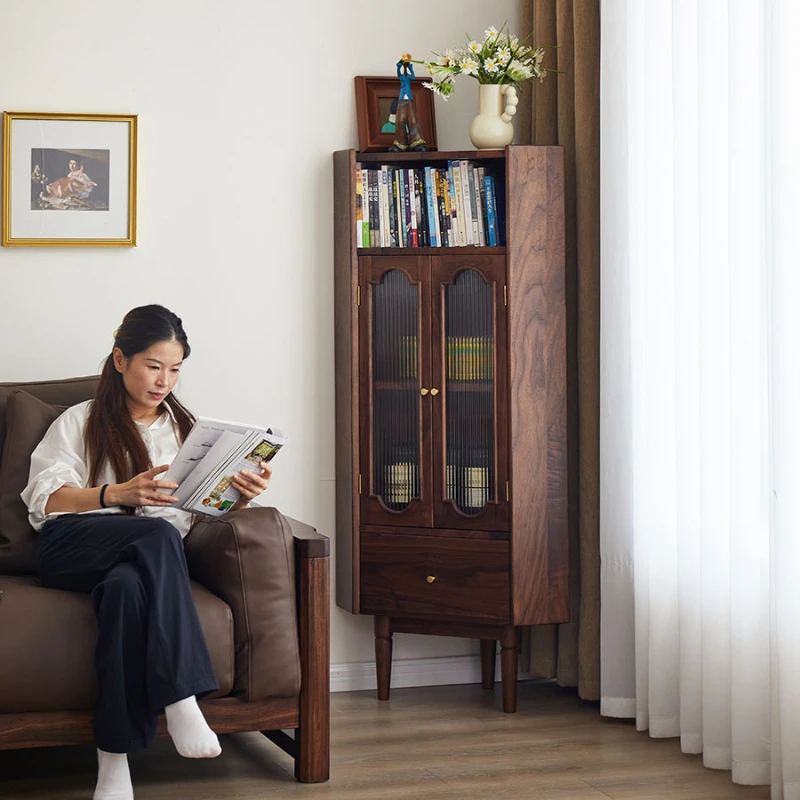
449,742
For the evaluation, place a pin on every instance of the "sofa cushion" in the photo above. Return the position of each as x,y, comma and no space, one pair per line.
27,421
48,638
247,558
67,392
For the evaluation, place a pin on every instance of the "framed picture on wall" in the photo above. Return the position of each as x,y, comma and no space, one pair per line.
69,179
376,105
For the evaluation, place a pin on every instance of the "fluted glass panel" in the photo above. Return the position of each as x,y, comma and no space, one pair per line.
469,395
395,391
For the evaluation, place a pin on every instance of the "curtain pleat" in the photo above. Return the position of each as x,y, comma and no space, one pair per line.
564,110
700,435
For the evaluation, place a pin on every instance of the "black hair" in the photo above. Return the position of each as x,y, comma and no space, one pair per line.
110,431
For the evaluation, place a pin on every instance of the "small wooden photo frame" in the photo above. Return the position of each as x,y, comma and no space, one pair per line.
374,98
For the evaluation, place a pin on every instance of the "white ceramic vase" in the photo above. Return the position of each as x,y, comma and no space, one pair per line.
492,128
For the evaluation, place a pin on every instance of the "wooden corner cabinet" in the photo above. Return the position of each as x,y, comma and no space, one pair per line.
451,414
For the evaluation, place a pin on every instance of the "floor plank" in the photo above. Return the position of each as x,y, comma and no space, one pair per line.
436,743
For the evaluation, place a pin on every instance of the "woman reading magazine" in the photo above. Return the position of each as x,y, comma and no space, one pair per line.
106,529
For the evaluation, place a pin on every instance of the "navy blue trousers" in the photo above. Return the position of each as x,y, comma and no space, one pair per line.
150,651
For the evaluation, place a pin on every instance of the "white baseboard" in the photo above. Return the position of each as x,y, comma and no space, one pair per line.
446,671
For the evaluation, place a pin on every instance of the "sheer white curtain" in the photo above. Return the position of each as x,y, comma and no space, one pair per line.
700,396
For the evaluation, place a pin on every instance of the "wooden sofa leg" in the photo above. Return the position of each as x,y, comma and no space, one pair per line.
312,761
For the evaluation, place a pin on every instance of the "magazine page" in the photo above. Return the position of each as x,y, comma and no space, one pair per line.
201,439
212,450
214,493
216,456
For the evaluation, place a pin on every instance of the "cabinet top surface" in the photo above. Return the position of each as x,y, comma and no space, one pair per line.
431,155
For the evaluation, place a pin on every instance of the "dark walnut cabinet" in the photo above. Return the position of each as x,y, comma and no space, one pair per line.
451,454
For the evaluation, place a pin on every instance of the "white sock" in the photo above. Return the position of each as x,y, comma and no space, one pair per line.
113,777
189,730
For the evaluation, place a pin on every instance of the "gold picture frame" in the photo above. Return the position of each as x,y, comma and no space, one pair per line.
69,180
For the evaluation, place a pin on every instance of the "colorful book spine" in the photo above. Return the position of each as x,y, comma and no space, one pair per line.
407,209
463,168
401,218
375,178
444,220
387,232
375,209
422,210
473,198
364,209
411,199
491,210
480,198
470,358
379,174
359,206
433,209
458,201
367,210
393,240
450,200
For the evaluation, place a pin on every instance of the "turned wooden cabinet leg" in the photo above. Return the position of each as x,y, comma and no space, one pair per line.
508,667
488,658
383,655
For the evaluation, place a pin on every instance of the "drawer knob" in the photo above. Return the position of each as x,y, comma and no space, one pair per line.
431,578
423,391
434,392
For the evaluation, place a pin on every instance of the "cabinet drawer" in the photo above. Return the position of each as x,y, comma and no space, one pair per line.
429,576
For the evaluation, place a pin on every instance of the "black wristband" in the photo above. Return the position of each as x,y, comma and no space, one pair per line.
102,496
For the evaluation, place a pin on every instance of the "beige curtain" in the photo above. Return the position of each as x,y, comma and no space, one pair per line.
565,110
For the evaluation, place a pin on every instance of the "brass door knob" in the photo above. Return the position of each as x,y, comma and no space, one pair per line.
423,391
430,578
434,392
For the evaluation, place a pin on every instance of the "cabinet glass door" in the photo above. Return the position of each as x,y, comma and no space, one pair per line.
395,333
470,418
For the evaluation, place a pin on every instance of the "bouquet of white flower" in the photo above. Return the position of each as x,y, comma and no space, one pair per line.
499,58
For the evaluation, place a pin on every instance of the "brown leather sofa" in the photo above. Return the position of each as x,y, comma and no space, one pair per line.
260,582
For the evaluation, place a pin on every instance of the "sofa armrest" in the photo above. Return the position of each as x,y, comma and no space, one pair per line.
312,737
307,542
247,559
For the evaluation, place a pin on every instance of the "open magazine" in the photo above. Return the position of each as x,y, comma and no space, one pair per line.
214,451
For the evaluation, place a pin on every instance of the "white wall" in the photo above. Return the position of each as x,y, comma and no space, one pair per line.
240,105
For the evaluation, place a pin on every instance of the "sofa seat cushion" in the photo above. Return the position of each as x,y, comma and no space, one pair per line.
48,639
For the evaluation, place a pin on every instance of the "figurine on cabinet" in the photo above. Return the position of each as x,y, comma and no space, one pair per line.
407,135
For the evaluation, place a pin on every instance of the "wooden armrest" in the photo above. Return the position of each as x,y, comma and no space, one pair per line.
308,543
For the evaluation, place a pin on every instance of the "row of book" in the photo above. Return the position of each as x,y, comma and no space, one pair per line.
468,486
468,358
453,206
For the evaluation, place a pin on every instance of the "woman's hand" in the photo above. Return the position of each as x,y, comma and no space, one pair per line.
141,490
251,484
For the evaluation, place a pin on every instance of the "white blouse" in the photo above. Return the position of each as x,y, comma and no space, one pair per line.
60,459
